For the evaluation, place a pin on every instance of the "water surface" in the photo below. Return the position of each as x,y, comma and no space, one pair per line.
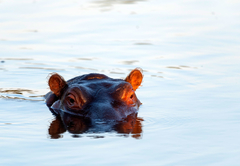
189,51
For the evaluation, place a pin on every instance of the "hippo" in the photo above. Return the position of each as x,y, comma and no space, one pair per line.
87,101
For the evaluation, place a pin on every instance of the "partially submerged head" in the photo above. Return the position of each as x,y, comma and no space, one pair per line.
95,96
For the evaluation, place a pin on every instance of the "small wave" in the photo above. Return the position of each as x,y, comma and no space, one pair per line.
181,67
22,94
42,68
129,62
155,124
17,59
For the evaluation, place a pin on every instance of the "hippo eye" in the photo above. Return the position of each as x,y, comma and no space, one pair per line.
129,96
71,100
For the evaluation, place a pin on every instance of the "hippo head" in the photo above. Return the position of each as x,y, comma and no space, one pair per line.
95,96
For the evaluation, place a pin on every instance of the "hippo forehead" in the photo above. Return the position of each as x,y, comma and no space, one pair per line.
95,82
92,76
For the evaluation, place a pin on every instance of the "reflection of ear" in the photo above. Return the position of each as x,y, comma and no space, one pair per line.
135,78
56,128
56,83
137,128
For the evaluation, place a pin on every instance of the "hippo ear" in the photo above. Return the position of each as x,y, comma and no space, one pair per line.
135,78
56,83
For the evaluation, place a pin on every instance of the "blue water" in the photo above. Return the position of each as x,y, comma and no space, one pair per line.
189,51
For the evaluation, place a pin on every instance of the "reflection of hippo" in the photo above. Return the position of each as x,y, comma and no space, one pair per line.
94,97
78,125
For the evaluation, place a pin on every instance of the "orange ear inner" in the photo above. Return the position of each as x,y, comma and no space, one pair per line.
135,78
56,84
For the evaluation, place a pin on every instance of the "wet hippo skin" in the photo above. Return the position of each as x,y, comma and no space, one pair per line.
95,95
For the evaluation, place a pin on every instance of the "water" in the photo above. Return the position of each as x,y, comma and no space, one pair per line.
189,51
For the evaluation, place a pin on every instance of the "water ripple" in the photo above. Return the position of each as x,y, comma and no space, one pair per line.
21,94
42,68
165,122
